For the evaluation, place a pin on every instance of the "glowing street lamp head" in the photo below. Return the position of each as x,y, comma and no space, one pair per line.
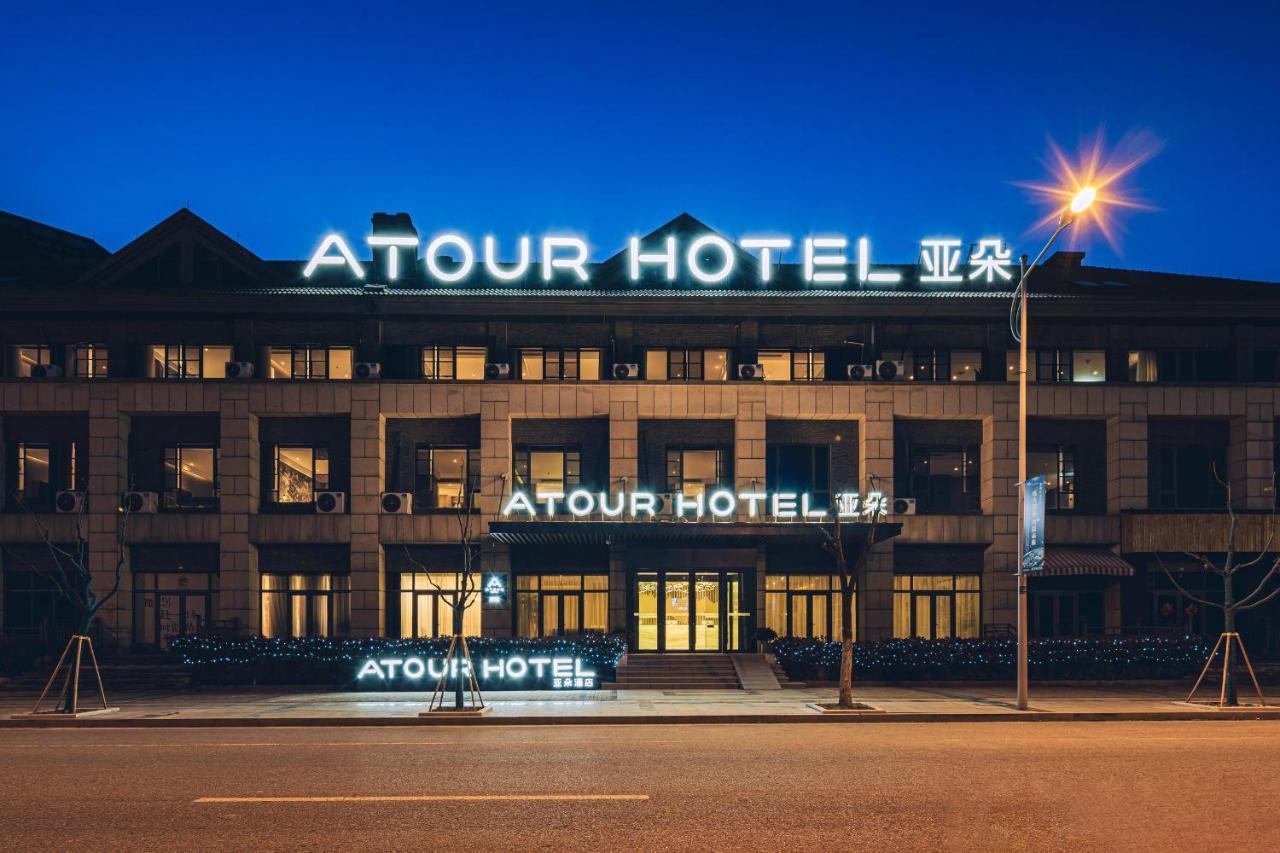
1081,200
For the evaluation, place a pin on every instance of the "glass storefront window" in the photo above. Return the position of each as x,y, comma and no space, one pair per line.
937,607
171,604
305,605
805,606
561,605
427,600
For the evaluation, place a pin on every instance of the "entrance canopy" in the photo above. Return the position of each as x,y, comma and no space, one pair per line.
583,532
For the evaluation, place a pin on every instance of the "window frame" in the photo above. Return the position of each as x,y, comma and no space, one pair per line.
426,484
1064,465
171,494
911,593
773,471
529,607
316,488
187,355
98,361
558,363
570,461
338,604
22,370
675,468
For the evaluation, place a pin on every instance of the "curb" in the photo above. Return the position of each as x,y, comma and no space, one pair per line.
631,720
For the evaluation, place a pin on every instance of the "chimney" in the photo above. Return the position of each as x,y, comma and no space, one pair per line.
394,225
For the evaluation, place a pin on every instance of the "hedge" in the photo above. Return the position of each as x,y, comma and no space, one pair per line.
960,660
320,660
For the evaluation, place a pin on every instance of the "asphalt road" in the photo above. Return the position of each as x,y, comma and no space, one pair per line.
1040,786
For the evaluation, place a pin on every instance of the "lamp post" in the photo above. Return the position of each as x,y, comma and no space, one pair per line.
1079,204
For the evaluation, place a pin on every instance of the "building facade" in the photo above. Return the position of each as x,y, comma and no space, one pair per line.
310,455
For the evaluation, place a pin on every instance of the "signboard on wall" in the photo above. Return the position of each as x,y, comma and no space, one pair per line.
493,594
1033,495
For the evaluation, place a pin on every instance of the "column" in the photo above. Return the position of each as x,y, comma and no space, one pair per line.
239,468
1252,452
368,579
1127,453
1000,500
875,467
108,462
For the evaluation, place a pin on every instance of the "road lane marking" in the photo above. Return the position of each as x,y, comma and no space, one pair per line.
424,798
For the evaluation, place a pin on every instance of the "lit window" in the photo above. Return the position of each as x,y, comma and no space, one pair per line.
190,477
35,474
308,362
1088,365
715,365
777,365
655,365
694,472
937,607
805,606
966,365
305,605
1057,466
561,605
1142,366
564,365
531,365
91,361
188,361
807,366
299,473
25,357
445,476
552,470
427,600
448,363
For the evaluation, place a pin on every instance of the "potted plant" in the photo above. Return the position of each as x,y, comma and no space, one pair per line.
764,637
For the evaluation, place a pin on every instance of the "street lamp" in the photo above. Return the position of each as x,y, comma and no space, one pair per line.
1080,202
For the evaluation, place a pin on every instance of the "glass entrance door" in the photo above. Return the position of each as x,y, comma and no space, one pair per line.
681,611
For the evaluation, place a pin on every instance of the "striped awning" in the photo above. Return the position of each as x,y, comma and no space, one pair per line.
1065,560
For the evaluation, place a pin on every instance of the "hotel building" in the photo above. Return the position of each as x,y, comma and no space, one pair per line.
300,453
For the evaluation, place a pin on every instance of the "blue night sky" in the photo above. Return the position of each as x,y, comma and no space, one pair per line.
279,122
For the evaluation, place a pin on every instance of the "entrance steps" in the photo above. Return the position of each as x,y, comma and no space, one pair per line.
678,672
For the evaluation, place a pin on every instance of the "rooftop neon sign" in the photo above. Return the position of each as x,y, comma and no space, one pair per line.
709,259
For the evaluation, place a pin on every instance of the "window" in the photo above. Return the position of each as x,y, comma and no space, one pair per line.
1142,366
91,361
808,366
1181,365
299,472
445,364
800,468
33,605
694,472
26,356
1060,365
547,470
805,606
944,479
1088,365
172,604
561,605
309,362
305,605
711,365
777,365
446,477
1266,364
426,604
190,477
188,361
930,365
563,365
1057,466
1183,476
1053,365
937,607
966,365
41,470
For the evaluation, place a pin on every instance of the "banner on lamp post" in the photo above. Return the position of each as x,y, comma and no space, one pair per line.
1033,494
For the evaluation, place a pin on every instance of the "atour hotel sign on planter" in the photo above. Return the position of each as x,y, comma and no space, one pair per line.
512,672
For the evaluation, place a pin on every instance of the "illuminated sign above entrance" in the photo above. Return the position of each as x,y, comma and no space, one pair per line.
721,504
709,259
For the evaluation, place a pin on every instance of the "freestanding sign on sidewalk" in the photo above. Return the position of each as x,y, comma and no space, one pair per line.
1033,491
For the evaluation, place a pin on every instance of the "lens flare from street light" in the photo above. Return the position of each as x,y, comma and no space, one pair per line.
1081,200
1091,190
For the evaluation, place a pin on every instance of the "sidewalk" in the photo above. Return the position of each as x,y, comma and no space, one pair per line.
283,706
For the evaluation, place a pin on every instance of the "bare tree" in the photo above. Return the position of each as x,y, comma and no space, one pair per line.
1232,564
467,588
848,572
69,573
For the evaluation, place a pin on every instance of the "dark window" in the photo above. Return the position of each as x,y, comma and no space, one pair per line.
1192,365
33,606
931,365
1053,365
944,479
1265,364
800,468
41,470
446,476
1188,459
1057,465
190,477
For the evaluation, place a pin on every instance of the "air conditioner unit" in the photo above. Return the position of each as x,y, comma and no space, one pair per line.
751,371
904,506
141,502
397,503
626,371
861,372
328,503
68,501
367,370
497,371
239,370
891,371
45,371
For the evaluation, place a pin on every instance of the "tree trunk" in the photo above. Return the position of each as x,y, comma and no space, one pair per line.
846,642
1229,625
459,601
